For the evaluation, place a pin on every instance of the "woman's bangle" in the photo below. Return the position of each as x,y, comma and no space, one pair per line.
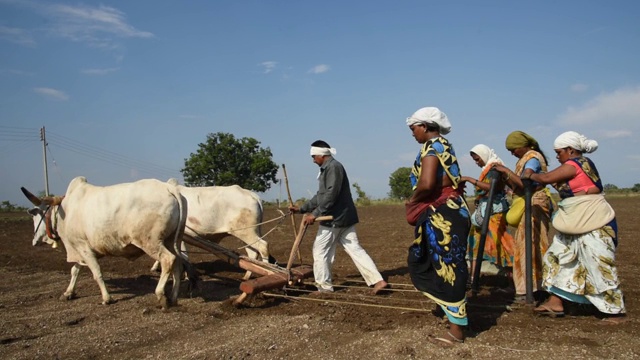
508,176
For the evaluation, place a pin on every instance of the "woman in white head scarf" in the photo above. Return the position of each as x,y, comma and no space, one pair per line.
499,244
579,266
436,260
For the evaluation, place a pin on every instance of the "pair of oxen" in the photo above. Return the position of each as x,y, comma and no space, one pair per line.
147,216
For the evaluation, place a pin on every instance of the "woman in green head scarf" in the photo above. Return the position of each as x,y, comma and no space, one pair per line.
520,139
531,160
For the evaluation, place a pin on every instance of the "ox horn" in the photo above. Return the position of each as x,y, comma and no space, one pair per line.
34,199
53,200
47,200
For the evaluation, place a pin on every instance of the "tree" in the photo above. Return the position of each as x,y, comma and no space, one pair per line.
636,188
363,198
610,187
224,160
400,184
7,206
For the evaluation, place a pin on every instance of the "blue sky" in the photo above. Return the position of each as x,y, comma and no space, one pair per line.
127,90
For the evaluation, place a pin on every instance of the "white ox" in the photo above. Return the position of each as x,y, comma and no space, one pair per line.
217,211
125,220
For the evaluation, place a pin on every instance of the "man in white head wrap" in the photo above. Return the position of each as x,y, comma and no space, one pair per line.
322,151
334,198
575,141
431,116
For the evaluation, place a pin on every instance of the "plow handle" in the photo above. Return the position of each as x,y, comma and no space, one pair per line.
301,232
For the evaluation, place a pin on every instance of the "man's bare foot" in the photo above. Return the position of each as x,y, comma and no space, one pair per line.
379,287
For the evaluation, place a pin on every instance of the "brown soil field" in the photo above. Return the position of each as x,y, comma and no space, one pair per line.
349,324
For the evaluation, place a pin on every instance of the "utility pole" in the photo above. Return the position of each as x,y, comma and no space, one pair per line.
43,138
280,193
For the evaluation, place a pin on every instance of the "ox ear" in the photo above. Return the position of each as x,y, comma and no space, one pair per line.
34,199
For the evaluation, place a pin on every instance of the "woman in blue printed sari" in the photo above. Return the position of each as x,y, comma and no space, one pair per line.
440,214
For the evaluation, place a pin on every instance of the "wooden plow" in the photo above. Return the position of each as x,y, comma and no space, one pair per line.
271,276
290,278
400,297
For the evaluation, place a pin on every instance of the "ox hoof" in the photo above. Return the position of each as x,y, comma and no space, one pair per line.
237,301
164,303
108,301
66,297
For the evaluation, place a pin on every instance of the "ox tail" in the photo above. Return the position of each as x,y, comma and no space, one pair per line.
271,259
177,241
260,209
182,223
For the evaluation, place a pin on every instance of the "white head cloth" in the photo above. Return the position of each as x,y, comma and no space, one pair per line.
487,155
431,115
576,141
322,151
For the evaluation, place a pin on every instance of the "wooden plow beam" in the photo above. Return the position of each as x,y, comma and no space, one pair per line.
271,276
290,275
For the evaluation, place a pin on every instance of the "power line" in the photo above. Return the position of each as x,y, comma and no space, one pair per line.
105,155
19,134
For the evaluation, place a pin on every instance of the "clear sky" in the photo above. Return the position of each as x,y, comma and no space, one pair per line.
127,89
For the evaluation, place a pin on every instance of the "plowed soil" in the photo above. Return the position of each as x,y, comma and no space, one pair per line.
350,324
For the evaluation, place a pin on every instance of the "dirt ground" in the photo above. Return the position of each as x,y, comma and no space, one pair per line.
37,325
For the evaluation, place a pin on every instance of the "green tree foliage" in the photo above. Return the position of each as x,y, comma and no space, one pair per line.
610,187
6,206
224,160
636,188
400,184
363,198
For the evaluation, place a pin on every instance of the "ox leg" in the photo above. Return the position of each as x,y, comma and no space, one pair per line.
167,264
70,293
53,243
93,265
253,255
156,266
177,278
258,247
185,255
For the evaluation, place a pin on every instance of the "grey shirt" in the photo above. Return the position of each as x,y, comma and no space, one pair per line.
333,196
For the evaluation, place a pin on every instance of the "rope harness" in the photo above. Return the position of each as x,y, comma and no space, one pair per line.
49,227
279,218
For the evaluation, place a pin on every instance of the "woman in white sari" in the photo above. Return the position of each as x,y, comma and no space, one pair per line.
579,265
